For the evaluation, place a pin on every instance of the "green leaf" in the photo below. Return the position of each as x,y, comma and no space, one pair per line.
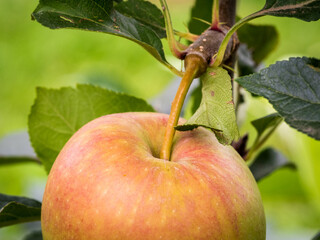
293,88
268,161
216,110
256,43
262,124
144,12
6,160
35,235
316,237
57,114
14,210
307,10
202,9
261,40
246,64
100,16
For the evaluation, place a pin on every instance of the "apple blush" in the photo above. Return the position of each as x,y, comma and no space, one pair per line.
109,183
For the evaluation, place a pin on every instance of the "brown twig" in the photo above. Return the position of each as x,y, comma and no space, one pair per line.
198,56
227,12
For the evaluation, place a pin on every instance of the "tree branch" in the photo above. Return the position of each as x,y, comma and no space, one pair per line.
198,56
228,16
228,12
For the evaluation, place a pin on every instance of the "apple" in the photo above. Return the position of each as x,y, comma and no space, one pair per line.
109,183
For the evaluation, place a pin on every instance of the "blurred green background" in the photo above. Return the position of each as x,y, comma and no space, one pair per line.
31,56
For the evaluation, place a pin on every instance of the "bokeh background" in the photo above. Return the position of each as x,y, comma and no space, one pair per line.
31,56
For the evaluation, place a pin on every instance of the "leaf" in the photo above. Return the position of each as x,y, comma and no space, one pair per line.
307,10
246,64
144,12
101,16
6,160
262,124
57,114
261,40
35,235
293,88
14,210
316,237
216,110
256,43
202,9
268,161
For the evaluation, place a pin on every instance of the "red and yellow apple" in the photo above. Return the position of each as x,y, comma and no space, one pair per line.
109,183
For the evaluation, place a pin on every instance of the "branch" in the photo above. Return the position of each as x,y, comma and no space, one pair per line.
198,56
228,16
227,12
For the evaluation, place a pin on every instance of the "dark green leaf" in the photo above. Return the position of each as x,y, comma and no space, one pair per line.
98,16
5,160
14,210
35,235
262,124
268,161
202,9
261,40
307,10
144,12
57,114
293,88
257,42
246,64
216,110
316,237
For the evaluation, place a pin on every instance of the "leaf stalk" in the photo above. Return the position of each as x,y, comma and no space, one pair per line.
259,141
173,44
220,55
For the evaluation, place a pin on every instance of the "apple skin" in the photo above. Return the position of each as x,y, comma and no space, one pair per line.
108,183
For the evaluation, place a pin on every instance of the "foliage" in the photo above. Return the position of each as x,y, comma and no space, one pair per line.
35,235
267,162
279,83
216,95
6,160
15,210
102,16
58,114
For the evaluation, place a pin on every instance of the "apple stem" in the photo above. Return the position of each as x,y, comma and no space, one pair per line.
193,67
